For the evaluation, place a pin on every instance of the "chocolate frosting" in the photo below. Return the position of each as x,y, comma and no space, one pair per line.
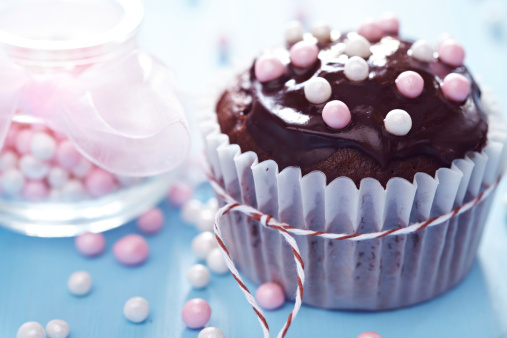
289,128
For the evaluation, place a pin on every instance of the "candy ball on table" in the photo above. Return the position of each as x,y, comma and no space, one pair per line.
180,193
31,330
90,244
369,334
203,243
216,262
211,332
198,276
136,309
79,283
151,221
196,313
270,296
205,220
57,328
190,211
131,250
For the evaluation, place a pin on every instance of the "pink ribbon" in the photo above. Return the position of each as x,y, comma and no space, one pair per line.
121,114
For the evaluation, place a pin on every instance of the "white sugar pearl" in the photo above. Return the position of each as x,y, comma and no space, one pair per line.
356,69
57,328
398,122
42,146
203,243
8,160
57,177
33,167
72,190
216,262
294,32
212,205
211,332
79,283
136,309
190,211
205,220
13,182
422,50
31,330
321,31
82,168
357,45
198,275
317,90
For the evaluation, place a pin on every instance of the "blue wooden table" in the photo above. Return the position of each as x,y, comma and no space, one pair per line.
185,34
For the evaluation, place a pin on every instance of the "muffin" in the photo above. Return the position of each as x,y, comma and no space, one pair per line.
357,133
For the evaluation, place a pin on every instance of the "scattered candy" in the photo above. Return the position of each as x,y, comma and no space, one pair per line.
451,53
79,283
33,168
196,313
136,309
13,182
421,50
317,90
357,45
270,296
294,32
398,122
35,191
180,193
198,275
31,330
370,30
131,250
268,68
190,211
203,243
151,221
57,328
356,69
216,262
322,32
336,114
42,146
410,84
211,332
369,334
205,220
90,244
99,183
389,23
304,54
456,87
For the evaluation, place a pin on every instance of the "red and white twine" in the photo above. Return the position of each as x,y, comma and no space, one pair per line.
288,232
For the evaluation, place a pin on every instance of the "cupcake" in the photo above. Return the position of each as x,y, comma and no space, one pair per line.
384,142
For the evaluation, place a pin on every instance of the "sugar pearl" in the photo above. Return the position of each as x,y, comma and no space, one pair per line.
180,193
356,69
42,146
198,275
131,250
270,296
398,122
72,190
23,140
67,155
136,309
99,182
205,220
294,32
90,244
33,168
410,84
211,332
212,204
304,54
190,211
321,31
216,262
80,283
31,330
421,50
57,328
370,30
456,87
12,134
57,177
203,243
151,221
369,334
317,90
196,313
336,114
8,160
268,68
13,182
82,168
357,45
389,23
451,53
35,191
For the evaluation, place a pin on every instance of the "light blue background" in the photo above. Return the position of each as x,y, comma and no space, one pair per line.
185,34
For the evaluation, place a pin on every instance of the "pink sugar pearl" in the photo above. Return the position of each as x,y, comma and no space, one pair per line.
268,68
410,84
35,191
90,244
304,54
196,313
389,23
151,221
451,53
23,140
456,87
336,114
12,135
99,182
270,296
370,30
67,155
180,193
131,250
369,334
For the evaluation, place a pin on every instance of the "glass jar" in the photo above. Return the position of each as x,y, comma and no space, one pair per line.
91,128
